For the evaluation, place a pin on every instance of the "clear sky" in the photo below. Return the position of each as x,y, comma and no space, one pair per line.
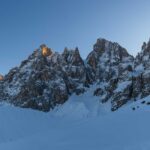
25,24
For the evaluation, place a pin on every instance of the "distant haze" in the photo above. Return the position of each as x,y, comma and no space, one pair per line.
25,24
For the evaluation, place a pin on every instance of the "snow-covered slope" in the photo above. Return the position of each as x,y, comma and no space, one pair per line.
84,126
82,106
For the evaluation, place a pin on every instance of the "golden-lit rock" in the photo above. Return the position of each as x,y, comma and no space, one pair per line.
46,51
1,77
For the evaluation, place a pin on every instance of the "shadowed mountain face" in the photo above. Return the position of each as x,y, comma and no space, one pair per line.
48,78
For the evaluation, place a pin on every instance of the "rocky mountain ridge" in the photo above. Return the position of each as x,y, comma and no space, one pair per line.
47,78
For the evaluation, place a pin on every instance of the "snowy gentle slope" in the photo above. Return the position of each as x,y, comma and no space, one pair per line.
77,125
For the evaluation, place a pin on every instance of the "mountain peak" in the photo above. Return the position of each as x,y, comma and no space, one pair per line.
45,50
112,48
103,44
72,56
100,44
107,52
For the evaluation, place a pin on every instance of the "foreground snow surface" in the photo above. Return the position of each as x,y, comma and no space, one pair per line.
71,127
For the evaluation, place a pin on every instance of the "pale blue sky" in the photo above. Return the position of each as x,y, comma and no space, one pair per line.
25,24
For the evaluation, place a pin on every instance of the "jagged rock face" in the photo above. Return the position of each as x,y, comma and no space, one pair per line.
137,84
108,60
111,65
74,66
141,76
45,80
48,78
133,83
